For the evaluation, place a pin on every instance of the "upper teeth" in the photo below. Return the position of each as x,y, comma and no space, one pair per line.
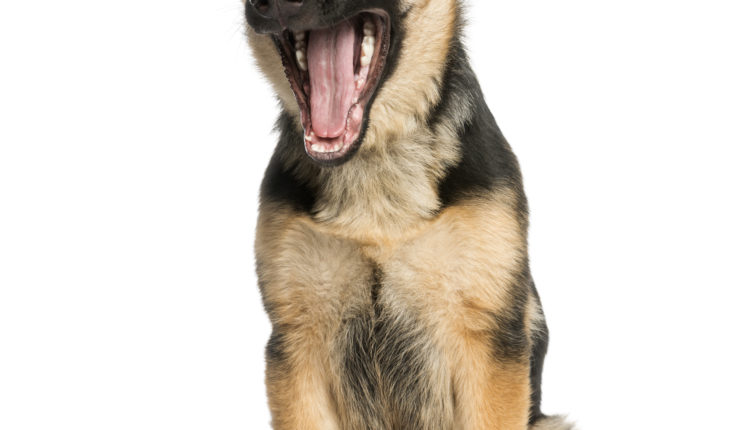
368,44
368,47
300,47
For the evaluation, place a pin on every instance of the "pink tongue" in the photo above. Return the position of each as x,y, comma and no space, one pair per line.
330,57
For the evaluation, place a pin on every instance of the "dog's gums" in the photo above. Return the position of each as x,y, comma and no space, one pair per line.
334,72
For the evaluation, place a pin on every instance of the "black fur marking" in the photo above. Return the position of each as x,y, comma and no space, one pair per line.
401,356
487,161
538,352
384,373
279,184
377,284
509,338
275,348
360,375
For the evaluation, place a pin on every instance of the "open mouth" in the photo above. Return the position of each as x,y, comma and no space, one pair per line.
334,72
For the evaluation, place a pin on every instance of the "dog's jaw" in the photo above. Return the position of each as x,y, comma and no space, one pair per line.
334,73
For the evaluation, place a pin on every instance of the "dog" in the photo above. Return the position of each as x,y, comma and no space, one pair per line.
391,244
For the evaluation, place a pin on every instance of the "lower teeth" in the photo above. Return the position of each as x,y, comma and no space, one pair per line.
322,148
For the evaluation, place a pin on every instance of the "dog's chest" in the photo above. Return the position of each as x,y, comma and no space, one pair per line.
382,317
381,321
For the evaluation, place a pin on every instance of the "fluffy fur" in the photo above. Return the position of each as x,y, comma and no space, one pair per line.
398,282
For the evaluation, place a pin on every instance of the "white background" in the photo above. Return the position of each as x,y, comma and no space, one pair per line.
134,135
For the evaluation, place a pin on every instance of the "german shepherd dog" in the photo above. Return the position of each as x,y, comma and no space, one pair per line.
391,241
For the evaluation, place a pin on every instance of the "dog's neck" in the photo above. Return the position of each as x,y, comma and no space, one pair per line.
397,181
386,193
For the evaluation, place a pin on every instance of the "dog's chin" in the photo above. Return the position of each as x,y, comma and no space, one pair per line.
334,73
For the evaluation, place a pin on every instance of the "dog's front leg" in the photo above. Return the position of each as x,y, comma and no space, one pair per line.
308,280
466,276
299,393
490,393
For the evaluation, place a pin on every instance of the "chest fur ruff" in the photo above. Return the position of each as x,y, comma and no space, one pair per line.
383,323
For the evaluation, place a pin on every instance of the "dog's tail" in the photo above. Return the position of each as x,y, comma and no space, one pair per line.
556,422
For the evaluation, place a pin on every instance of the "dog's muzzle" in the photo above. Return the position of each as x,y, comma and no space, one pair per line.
274,16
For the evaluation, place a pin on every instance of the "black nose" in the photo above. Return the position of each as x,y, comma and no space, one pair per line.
279,10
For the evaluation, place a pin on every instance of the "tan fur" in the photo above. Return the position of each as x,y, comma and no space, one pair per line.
310,280
313,277
451,271
458,288
298,394
436,253
269,62
389,185
381,195
553,423
488,395
405,100
407,97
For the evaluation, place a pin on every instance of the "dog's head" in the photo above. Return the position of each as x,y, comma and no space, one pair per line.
357,73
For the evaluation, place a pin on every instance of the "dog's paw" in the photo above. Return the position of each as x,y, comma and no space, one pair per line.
557,422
